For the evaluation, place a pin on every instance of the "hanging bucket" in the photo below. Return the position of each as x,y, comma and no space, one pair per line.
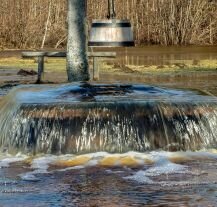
111,33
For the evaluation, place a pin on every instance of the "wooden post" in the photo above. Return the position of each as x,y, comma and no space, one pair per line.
77,62
95,68
40,68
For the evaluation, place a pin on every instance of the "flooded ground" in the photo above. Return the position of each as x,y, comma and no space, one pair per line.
147,55
154,178
183,67
205,81
101,179
158,55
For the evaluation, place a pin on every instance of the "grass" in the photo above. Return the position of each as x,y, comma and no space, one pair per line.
53,64
174,66
59,65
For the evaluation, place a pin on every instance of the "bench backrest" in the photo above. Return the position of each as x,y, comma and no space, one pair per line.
63,54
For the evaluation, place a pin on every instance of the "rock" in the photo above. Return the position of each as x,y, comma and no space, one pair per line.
160,67
181,65
26,72
195,62
123,67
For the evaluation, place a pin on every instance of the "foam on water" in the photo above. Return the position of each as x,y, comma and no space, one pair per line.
158,159
140,177
29,177
39,166
9,159
70,168
147,166
164,167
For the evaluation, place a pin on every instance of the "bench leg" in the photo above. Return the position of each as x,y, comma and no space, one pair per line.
40,69
95,68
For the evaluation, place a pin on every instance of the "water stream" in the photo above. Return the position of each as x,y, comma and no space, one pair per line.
107,145
113,118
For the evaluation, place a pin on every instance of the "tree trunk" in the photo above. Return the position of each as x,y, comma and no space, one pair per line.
77,62
46,25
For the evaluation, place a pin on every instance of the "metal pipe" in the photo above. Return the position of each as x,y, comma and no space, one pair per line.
111,10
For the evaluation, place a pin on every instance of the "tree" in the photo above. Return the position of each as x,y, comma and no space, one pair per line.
77,62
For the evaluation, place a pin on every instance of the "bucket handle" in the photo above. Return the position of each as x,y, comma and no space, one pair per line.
111,9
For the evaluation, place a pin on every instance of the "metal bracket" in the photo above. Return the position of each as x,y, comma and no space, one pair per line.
111,9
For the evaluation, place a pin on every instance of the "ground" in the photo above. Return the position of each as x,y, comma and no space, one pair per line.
196,74
159,179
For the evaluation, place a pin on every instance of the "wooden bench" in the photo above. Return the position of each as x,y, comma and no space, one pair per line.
41,55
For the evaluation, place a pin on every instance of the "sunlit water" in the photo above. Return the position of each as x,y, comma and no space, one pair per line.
158,55
157,178
130,146
113,118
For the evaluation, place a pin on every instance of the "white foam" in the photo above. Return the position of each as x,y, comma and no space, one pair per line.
97,154
114,172
182,183
140,177
163,166
10,159
92,163
70,168
187,154
42,164
29,177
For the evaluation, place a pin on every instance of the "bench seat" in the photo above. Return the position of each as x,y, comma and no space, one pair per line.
42,54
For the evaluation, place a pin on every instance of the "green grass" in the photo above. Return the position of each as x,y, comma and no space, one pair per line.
175,66
51,64
59,65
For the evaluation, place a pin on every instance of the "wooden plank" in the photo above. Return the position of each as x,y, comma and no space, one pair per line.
96,68
33,54
63,54
40,68
43,54
55,54
102,54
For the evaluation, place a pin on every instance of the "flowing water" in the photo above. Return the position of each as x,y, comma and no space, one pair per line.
158,55
108,145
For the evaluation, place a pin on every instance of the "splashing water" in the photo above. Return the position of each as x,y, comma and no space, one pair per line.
113,118
154,178
107,145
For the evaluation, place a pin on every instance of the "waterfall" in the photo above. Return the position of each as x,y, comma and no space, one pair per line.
84,118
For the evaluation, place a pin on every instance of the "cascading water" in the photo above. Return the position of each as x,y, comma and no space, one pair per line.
107,145
84,118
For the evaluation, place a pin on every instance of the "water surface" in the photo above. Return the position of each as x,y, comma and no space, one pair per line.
101,179
176,165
